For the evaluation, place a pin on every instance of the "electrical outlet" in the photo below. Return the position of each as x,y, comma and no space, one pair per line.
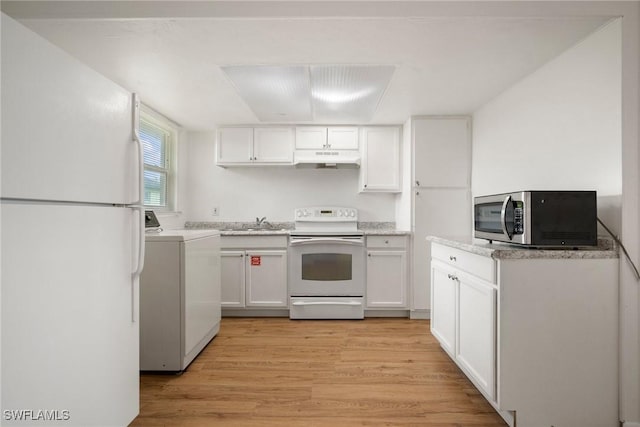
215,211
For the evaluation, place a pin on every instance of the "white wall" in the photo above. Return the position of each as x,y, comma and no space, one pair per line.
559,128
244,193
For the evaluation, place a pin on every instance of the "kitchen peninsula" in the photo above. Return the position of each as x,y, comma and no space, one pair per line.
534,330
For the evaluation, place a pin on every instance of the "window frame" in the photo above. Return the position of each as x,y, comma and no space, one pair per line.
171,130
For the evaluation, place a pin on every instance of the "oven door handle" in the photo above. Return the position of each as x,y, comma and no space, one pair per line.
351,303
315,240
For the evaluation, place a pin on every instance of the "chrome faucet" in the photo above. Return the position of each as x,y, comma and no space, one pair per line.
260,221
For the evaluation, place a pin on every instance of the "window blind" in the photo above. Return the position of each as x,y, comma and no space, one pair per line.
156,168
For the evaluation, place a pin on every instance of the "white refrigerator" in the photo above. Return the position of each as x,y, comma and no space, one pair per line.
72,240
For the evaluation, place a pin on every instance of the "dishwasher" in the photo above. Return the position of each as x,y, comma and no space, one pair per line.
179,297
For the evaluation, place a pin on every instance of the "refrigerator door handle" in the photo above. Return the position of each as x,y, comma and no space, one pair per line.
139,204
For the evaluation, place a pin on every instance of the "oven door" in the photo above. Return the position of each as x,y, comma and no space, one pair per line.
323,266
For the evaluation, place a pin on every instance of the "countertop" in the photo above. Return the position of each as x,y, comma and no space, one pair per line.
284,228
605,249
178,235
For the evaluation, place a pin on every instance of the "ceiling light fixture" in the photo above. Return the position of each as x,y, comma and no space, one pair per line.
316,93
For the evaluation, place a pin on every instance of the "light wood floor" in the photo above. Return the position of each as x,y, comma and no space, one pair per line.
281,372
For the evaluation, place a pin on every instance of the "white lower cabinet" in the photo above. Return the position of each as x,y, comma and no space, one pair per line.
443,312
254,272
386,272
266,278
534,331
233,279
476,320
463,320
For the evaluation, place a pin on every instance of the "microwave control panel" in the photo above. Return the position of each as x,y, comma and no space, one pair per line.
518,217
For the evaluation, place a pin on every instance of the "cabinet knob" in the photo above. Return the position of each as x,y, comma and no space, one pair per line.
417,183
369,254
386,242
452,258
365,186
452,276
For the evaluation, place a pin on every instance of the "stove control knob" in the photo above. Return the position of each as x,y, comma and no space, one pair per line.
352,213
298,213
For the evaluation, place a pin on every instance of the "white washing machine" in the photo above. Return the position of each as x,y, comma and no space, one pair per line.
179,297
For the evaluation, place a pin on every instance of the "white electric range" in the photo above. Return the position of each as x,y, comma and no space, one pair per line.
326,264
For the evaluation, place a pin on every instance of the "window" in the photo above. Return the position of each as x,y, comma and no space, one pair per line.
157,136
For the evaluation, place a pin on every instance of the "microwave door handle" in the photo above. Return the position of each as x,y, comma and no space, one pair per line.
503,216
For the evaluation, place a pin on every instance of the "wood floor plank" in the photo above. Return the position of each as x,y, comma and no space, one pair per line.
278,372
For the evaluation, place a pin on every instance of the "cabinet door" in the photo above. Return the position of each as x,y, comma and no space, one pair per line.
232,278
380,169
273,145
311,138
234,145
443,306
342,138
439,212
266,275
442,152
386,279
476,346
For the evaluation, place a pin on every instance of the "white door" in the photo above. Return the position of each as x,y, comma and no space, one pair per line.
442,152
273,145
437,212
342,138
69,342
311,138
266,275
232,271
380,170
476,347
234,145
67,131
386,279
443,306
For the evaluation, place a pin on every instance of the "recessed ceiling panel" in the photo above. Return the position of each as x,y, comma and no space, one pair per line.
347,93
274,93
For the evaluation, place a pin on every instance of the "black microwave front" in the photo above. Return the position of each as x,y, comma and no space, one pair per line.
538,218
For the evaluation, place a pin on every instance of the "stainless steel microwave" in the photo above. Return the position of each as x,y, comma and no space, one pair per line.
538,218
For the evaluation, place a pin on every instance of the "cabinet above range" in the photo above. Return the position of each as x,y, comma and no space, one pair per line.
374,150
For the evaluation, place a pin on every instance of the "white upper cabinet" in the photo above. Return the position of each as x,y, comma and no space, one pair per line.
342,138
273,145
442,152
380,168
311,138
326,138
244,146
234,145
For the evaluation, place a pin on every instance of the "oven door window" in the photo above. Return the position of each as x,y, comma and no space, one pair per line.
327,267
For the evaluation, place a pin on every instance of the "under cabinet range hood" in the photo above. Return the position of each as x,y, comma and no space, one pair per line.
327,158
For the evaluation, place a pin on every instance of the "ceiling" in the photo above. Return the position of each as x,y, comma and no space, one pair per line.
447,59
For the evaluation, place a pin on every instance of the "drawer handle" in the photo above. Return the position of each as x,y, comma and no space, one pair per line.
452,276
452,258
